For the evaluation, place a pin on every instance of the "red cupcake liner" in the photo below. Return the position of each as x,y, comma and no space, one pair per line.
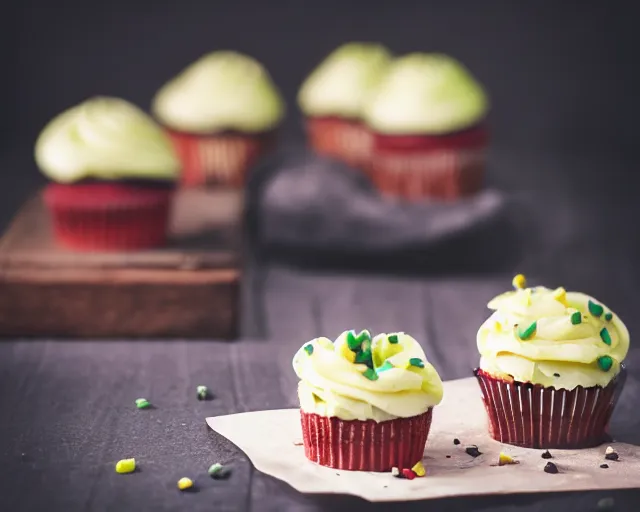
439,167
534,416
108,217
365,445
346,140
221,159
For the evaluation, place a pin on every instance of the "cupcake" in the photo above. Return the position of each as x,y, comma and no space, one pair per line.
221,113
112,172
429,134
333,96
365,404
551,367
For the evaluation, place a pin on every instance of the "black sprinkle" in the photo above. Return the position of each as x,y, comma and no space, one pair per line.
448,456
611,456
551,468
473,451
456,441
337,474
547,455
604,466
556,375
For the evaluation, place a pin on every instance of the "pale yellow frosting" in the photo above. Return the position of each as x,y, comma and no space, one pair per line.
332,384
223,90
105,138
342,83
426,94
568,346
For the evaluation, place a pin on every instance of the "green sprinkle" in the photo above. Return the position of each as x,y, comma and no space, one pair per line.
355,341
370,374
203,392
393,339
576,318
606,337
308,348
595,309
218,471
142,403
385,366
608,316
417,362
605,363
365,357
529,332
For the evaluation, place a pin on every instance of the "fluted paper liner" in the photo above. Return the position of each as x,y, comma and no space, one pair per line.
273,442
343,139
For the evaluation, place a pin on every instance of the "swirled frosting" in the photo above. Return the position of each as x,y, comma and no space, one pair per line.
553,338
222,90
342,83
426,94
357,378
105,138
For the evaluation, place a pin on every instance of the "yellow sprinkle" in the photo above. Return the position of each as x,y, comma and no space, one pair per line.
560,294
418,469
347,353
497,326
506,459
185,483
527,297
126,466
519,281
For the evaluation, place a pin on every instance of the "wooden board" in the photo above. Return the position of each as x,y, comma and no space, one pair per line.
189,289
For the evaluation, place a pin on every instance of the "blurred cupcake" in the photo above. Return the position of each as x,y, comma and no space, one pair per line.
333,96
113,172
551,367
221,113
366,405
429,138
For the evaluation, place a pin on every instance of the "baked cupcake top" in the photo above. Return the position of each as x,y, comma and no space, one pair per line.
426,94
223,90
107,139
361,378
340,85
553,338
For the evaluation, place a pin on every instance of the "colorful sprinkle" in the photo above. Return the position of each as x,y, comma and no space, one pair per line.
364,357
393,339
418,469
408,474
560,294
606,337
370,374
126,466
605,363
608,316
473,451
519,282
218,471
417,362
604,466
595,309
551,468
347,353
504,459
185,483
385,366
547,455
529,332
576,318
308,348
610,454
142,403
497,326
395,472
355,341
608,450
456,441
202,392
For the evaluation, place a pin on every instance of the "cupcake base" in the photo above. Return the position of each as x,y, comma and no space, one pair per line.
344,139
534,416
365,445
221,159
109,216
430,166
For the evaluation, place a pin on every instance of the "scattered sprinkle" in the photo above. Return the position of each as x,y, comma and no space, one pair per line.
519,282
417,362
395,472
606,503
576,318
142,403
497,326
185,483
529,332
473,451
218,471
448,456
456,441
364,357
556,375
347,353
298,443
370,374
609,450
560,294
546,455
606,337
505,459
203,392
595,309
393,339
604,466
308,348
354,341
385,366
605,363
608,316
551,468
408,474
418,469
126,466
612,456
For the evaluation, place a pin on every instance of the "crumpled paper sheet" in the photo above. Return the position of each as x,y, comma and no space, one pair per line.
270,440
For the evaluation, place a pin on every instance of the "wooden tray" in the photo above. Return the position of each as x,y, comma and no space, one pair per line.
188,290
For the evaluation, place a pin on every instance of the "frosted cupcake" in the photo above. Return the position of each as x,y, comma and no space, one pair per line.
366,404
333,96
113,173
429,133
221,113
551,367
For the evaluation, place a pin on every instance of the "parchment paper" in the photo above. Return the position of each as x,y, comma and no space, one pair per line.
271,441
